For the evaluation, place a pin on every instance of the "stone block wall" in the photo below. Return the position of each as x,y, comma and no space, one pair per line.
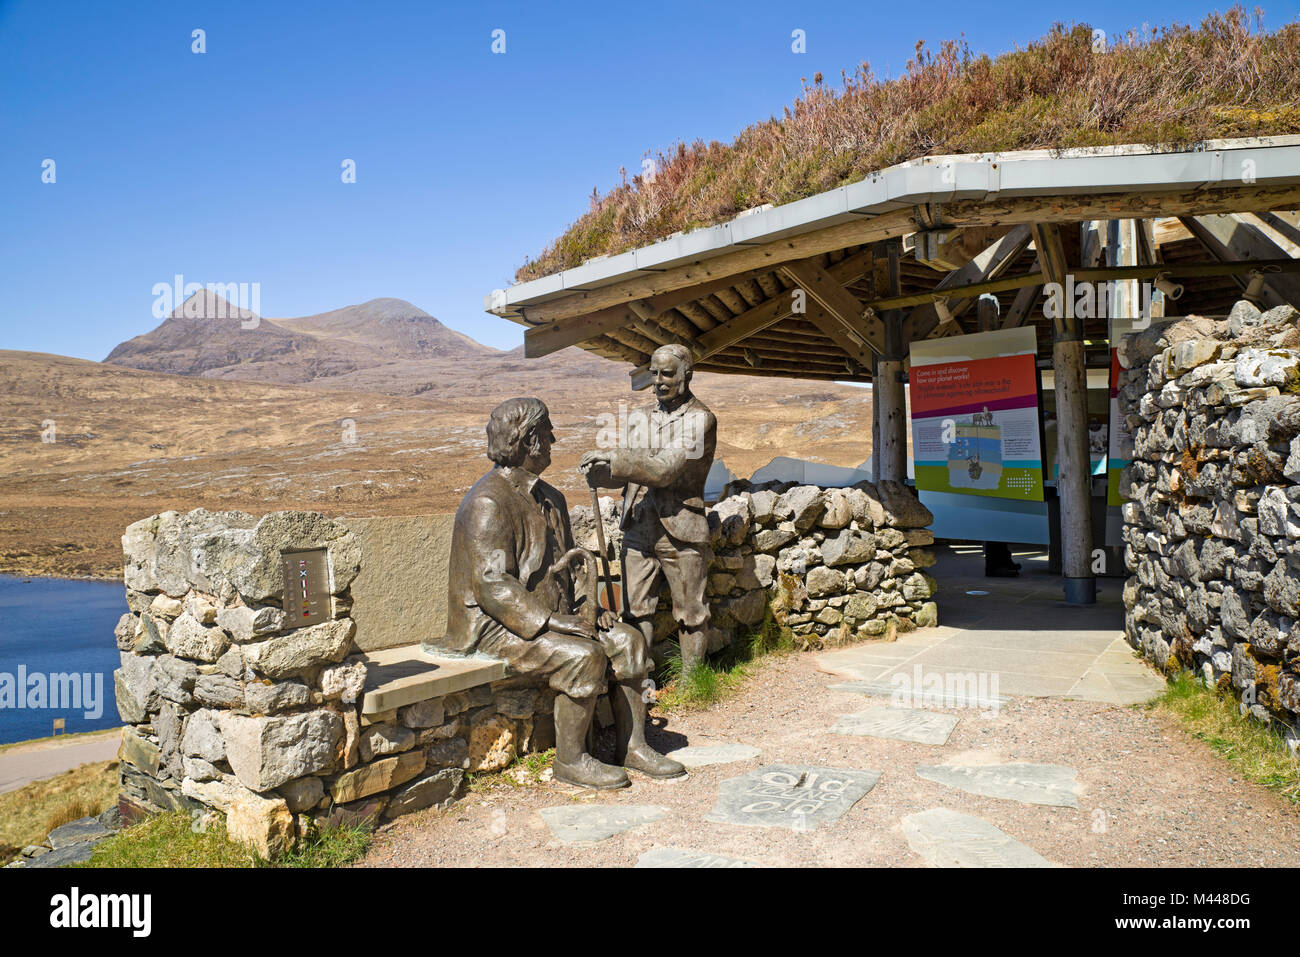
228,710
1212,528
834,565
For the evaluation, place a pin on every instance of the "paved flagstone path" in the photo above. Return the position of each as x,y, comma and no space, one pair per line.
1047,784
949,839
681,857
898,724
596,822
704,755
791,796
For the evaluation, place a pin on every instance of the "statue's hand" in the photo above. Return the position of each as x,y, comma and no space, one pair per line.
596,467
606,619
574,625
593,458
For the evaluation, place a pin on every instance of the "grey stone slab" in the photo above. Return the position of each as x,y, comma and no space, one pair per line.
898,724
948,839
63,856
704,755
954,694
596,822
797,797
1050,784
78,832
685,857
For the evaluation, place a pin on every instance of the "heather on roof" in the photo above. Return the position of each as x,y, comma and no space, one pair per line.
1171,86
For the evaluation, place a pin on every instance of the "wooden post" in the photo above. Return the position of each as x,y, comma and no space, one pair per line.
1074,475
875,419
887,388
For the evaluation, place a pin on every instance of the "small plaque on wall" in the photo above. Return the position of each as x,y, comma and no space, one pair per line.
306,587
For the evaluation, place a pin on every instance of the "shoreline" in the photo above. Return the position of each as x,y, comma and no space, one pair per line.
6,573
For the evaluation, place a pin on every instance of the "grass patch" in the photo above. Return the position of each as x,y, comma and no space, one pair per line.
171,840
714,678
524,772
1256,751
30,812
329,847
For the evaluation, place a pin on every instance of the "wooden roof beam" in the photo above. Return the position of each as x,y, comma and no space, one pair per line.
760,317
842,314
1234,237
989,264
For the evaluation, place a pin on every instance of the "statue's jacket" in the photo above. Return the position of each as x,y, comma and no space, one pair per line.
509,529
665,468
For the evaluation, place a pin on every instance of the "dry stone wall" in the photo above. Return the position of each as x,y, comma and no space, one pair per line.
833,565
229,710
1212,526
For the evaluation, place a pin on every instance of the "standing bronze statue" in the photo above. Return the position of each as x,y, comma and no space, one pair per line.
511,596
662,465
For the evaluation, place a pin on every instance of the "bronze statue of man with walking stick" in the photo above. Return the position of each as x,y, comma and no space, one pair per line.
511,596
662,467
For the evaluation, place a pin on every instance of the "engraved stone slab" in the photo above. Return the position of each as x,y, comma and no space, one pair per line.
898,724
703,755
1050,784
684,857
596,822
948,839
794,796
952,695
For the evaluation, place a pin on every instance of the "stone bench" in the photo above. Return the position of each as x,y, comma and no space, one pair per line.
396,677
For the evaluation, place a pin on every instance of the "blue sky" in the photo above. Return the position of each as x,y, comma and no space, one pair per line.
225,166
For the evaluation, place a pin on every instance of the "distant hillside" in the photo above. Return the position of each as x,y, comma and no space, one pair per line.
1168,86
390,327
207,336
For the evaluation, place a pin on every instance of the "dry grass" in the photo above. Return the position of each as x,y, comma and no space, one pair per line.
1259,753
1169,86
30,812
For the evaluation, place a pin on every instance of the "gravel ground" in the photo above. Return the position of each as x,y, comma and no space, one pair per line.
1149,795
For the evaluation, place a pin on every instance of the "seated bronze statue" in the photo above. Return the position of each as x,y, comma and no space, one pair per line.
511,596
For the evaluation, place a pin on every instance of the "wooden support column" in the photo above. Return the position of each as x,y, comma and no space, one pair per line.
888,397
1074,478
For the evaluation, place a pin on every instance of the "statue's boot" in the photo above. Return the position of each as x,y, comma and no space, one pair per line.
694,646
633,751
573,765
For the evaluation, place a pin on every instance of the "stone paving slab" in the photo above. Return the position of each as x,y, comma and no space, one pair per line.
1048,784
798,797
954,694
597,822
69,854
699,756
78,832
898,724
948,839
684,857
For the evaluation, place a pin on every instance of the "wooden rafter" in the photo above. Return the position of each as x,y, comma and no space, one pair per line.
989,264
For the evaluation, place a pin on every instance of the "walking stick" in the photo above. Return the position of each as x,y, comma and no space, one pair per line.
604,558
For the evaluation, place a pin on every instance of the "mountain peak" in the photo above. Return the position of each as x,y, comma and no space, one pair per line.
208,303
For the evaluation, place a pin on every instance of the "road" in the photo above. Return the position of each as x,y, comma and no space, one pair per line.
39,760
